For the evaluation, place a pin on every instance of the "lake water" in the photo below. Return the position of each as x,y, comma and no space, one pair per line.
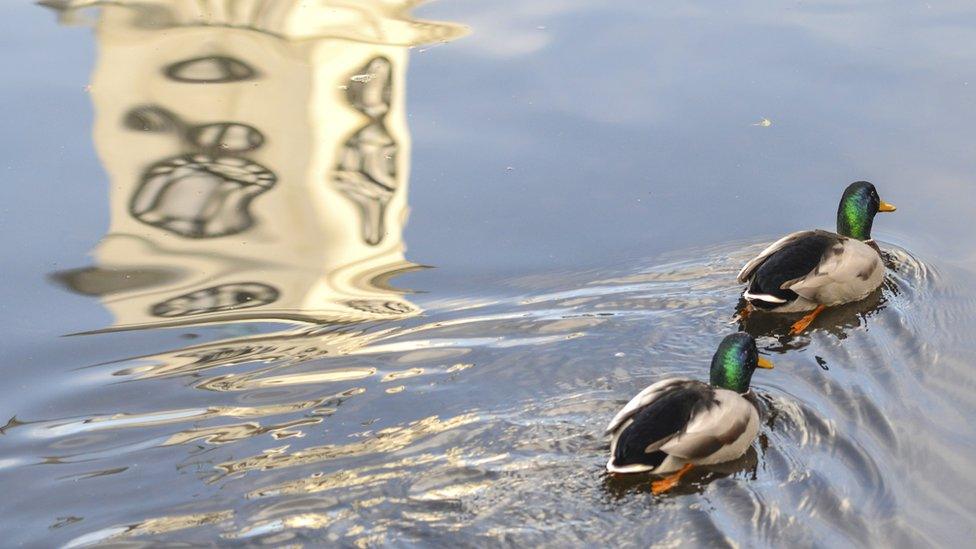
304,273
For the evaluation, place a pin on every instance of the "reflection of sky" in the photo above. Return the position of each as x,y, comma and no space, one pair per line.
629,131
54,193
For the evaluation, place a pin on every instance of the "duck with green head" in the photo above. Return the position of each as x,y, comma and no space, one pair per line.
811,270
675,424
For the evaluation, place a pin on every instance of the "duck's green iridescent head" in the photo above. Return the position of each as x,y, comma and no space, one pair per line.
735,361
857,209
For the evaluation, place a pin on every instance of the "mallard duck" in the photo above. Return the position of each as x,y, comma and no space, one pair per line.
675,424
811,270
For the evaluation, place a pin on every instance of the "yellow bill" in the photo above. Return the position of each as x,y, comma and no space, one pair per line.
765,364
885,207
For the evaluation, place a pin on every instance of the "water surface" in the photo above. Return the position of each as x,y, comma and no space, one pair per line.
322,272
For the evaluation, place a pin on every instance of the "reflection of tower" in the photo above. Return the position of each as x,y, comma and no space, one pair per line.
258,158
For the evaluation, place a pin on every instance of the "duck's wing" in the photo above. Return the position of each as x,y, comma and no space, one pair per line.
652,419
712,428
792,259
750,268
644,398
848,270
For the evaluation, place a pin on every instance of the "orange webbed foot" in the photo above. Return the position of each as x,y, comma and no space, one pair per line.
805,322
661,486
743,314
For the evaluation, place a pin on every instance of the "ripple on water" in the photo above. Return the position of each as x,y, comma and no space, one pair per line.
481,422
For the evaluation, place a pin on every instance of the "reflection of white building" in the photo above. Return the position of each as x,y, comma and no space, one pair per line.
258,156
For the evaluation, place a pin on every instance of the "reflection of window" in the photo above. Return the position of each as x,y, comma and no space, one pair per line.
367,165
225,297
371,87
200,195
228,137
231,137
151,118
212,69
227,354
379,306
99,281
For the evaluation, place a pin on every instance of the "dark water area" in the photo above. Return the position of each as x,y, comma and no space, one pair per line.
341,273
